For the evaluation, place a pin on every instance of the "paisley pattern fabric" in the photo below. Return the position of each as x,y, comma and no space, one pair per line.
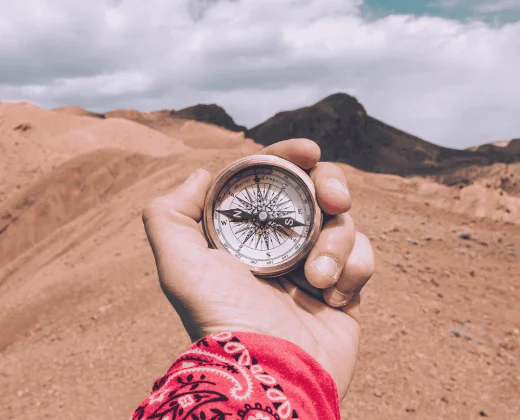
242,376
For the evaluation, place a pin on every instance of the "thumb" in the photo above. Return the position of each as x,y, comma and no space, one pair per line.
171,225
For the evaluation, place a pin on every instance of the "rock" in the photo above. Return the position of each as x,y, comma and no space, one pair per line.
211,114
413,241
22,127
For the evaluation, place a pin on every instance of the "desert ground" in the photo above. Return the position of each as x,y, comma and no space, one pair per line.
85,329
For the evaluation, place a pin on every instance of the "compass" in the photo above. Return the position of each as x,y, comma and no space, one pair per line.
263,210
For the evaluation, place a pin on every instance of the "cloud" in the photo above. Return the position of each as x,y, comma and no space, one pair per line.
497,6
450,82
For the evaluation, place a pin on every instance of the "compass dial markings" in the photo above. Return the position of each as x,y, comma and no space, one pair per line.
274,198
267,191
258,240
251,201
244,202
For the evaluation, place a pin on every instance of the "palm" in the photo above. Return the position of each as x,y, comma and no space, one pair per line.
235,300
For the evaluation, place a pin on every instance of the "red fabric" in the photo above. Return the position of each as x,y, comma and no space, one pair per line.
242,376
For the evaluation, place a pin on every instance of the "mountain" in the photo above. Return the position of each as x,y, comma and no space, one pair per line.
212,114
510,147
346,133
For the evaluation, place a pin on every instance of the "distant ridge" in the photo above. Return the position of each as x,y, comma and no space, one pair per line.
212,114
346,133
509,147
77,110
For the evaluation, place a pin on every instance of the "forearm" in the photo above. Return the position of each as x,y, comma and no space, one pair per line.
242,375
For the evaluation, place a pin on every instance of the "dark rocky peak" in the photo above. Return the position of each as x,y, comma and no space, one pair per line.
209,113
506,151
513,147
338,117
341,104
337,123
345,133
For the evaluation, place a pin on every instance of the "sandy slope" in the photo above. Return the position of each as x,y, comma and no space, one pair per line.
34,141
86,330
77,110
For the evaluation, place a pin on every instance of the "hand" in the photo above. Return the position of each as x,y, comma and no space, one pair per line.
212,291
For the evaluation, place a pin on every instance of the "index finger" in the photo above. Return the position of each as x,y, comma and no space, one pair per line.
302,152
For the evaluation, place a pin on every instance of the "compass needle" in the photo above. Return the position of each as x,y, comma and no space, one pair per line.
237,214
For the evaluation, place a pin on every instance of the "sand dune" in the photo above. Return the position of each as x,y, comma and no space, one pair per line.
68,191
195,134
129,114
77,110
83,318
479,199
35,140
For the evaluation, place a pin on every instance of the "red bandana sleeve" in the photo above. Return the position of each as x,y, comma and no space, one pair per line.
242,376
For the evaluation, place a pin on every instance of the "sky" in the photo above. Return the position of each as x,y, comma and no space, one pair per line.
444,70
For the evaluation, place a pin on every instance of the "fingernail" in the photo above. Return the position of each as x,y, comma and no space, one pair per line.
335,298
337,185
326,266
191,177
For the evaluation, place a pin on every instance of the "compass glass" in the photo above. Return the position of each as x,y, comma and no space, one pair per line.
263,215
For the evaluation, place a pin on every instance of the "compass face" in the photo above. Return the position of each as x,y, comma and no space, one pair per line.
265,216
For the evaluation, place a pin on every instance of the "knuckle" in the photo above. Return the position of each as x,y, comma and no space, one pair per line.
337,234
323,172
341,227
319,167
329,167
153,209
315,171
365,269
361,263
357,272
349,226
